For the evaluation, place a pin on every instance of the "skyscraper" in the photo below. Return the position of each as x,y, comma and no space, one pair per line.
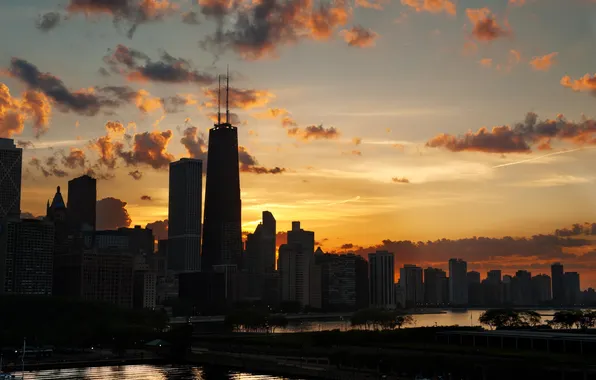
558,284
81,204
11,162
294,264
184,214
411,278
260,246
458,282
435,286
381,275
222,231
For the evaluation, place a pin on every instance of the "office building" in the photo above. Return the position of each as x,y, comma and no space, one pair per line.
435,287
184,215
222,232
491,288
541,289
140,240
411,279
521,288
558,284
144,284
205,291
475,296
260,246
294,264
81,204
27,246
381,276
572,288
458,282
11,162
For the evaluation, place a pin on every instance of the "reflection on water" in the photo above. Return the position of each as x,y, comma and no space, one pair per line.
439,318
145,372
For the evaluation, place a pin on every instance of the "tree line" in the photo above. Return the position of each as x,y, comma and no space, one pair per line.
563,319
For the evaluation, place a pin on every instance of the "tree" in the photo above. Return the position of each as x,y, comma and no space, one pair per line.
254,320
379,319
566,319
499,318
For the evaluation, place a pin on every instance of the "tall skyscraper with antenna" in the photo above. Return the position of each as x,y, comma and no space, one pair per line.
222,231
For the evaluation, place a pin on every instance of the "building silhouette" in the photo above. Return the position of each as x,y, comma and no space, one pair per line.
381,275
458,282
222,231
435,287
260,246
11,162
572,288
184,214
411,279
541,289
294,265
81,204
558,284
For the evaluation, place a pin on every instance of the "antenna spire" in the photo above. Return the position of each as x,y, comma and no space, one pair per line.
228,95
219,100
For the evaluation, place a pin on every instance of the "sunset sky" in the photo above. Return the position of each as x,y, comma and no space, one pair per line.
371,122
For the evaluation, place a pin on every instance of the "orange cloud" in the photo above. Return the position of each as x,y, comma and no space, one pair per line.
240,98
272,113
486,62
116,127
314,132
485,25
434,6
585,83
149,148
543,63
14,112
75,158
106,150
357,140
375,4
359,36
518,3
400,180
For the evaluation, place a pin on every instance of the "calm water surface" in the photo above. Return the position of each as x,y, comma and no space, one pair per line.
145,372
440,318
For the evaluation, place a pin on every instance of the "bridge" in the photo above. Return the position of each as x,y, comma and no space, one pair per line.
289,317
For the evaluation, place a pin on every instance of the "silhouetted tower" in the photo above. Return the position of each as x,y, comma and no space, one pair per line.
82,198
222,233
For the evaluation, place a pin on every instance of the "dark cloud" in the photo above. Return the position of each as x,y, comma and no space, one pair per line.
400,180
359,36
190,18
96,173
49,167
103,72
314,132
48,21
149,148
485,26
159,228
249,164
137,66
347,246
112,214
25,144
521,137
136,175
176,103
577,229
74,159
260,29
195,143
146,198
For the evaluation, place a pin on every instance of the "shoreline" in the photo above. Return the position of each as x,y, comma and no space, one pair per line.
41,366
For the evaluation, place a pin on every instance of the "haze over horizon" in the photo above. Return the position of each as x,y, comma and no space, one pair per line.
371,122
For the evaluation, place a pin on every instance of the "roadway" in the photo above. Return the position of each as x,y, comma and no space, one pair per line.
289,317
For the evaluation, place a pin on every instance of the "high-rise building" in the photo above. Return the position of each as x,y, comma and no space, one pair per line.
492,288
144,289
260,246
28,249
411,278
184,215
541,289
222,232
82,198
558,284
458,282
382,282
294,264
521,288
11,162
475,296
572,288
435,287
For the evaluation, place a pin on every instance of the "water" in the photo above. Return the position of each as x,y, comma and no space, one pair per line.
145,372
445,317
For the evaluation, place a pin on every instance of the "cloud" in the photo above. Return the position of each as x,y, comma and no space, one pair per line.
49,167
314,132
434,6
195,143
136,175
134,12
104,146
353,153
521,137
260,29
234,118
585,83
190,18
112,214
543,63
75,159
138,67
486,62
357,140
240,98
485,26
146,198
115,127
25,144
272,113
149,148
249,164
375,4
347,246
577,229
48,21
159,228
400,180
359,36
14,112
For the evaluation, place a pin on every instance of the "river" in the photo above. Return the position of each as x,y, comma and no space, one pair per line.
445,317
144,372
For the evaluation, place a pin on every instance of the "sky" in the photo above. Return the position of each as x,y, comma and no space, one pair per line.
379,124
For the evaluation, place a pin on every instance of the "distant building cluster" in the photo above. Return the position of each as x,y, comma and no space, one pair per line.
204,264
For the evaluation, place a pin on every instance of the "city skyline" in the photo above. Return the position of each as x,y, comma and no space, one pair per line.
355,185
